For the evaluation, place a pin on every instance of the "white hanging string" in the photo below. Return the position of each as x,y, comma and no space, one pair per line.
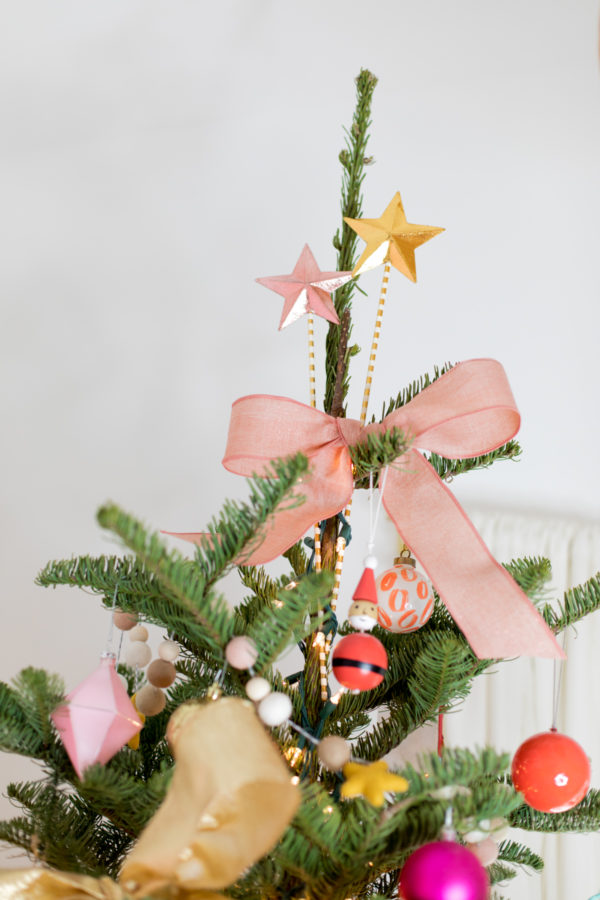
557,675
374,513
108,651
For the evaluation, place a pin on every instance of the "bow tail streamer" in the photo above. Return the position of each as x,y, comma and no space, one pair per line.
494,614
323,492
48,884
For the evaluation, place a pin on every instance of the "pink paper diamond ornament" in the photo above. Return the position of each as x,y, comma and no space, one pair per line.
99,718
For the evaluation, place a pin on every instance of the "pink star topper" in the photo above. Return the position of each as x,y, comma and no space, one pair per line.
307,289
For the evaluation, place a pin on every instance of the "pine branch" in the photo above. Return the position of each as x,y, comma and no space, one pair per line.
458,765
187,584
520,855
354,161
448,468
376,452
297,558
25,707
292,617
129,802
415,387
173,596
577,603
238,529
532,573
427,671
265,591
583,818
497,872
84,842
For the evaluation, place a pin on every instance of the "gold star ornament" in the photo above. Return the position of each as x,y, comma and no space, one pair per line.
371,780
390,238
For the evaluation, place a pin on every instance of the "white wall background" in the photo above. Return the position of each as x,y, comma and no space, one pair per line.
158,156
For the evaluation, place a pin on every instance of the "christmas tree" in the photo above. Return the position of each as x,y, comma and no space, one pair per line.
189,763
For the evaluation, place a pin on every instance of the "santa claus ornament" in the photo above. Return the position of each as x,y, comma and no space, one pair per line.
362,614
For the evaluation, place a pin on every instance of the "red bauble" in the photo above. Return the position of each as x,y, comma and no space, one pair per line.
552,772
359,662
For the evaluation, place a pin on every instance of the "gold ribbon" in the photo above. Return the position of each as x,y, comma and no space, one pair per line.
230,799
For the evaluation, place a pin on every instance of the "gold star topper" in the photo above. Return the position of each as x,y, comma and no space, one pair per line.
371,780
390,238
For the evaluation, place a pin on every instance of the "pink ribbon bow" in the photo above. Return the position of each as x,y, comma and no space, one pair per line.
467,412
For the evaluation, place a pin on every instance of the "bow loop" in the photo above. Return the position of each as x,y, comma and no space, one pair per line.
467,412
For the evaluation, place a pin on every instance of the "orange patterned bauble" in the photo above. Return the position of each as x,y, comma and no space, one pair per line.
404,598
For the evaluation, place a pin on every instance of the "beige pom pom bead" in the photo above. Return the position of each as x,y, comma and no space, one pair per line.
124,621
150,700
334,752
161,673
138,654
139,633
168,650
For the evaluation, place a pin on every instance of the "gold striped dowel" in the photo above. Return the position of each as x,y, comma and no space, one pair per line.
311,361
313,403
317,549
340,548
375,343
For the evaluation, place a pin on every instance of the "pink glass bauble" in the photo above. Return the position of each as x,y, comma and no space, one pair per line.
443,871
404,598
99,718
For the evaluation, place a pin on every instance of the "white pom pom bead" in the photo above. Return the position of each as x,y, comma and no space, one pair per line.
371,562
138,654
275,709
138,633
168,650
257,688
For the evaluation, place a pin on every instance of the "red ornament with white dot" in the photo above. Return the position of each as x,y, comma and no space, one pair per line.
552,771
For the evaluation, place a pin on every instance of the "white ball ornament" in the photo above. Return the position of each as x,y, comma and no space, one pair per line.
138,633
404,598
168,650
241,652
138,654
275,709
257,688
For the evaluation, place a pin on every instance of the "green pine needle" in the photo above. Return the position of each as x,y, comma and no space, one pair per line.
577,603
